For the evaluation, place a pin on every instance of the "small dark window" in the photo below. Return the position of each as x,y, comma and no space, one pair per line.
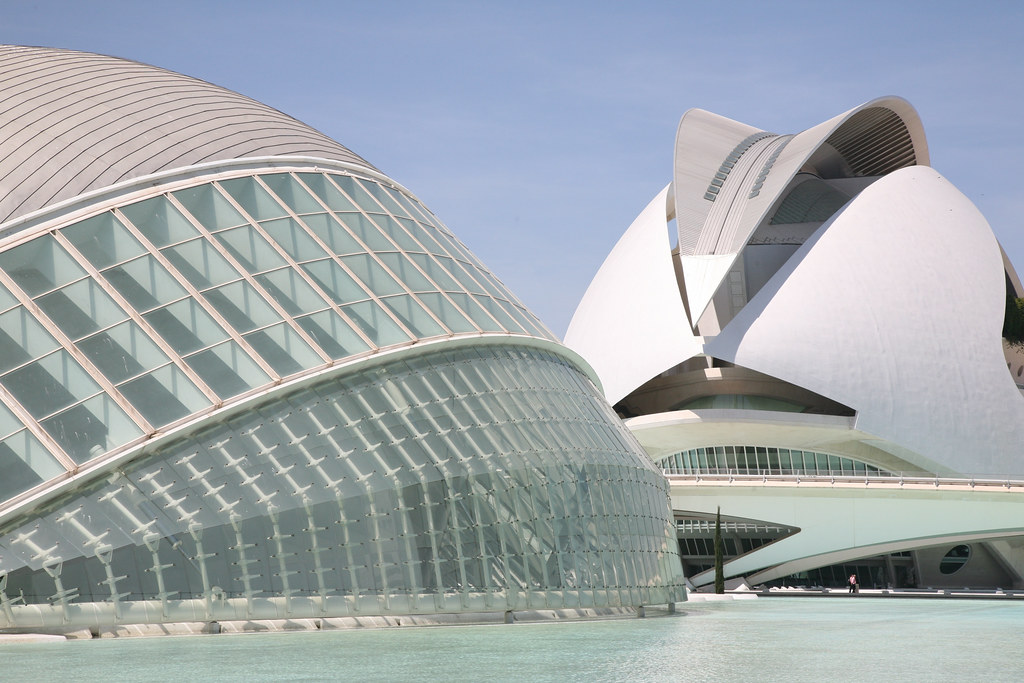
955,559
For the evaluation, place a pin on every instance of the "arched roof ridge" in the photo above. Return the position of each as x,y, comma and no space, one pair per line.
47,146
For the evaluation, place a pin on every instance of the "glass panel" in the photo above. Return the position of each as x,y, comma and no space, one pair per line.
452,318
228,370
397,233
8,423
372,274
242,307
375,324
294,239
25,462
160,221
470,306
822,462
401,201
103,240
465,281
364,229
81,308
50,384
122,352
489,283
201,264
283,349
291,291
91,428
414,239
291,193
330,331
209,207
436,273
250,248
413,315
359,195
186,326
327,192
6,299
253,198
406,272
382,196
422,235
144,283
526,321
164,396
498,312
40,265
336,237
22,338
427,217
333,279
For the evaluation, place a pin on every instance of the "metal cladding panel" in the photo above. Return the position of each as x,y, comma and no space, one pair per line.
894,308
765,168
71,122
801,147
703,141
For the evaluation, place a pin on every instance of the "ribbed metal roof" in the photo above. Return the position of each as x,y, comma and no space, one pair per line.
71,122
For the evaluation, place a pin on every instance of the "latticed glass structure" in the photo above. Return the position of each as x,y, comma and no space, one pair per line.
270,384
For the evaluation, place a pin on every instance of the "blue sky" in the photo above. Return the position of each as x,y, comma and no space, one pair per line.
538,130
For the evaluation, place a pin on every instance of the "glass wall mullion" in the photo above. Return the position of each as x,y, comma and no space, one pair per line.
373,254
36,429
448,251
132,313
251,278
72,350
198,297
402,251
437,288
372,295
327,250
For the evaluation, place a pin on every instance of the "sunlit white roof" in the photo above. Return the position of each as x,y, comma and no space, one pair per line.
71,122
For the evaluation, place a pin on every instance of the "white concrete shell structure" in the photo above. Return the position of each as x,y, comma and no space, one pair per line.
833,307
245,376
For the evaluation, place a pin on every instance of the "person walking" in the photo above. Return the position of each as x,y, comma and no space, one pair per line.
853,583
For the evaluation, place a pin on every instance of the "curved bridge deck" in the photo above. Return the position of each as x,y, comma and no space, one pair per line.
840,518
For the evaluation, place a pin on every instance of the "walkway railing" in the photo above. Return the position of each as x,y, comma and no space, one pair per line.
840,479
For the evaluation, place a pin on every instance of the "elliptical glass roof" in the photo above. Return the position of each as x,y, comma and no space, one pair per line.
140,318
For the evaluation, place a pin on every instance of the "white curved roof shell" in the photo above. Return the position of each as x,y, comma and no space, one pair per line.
891,308
634,297
71,122
894,307
872,139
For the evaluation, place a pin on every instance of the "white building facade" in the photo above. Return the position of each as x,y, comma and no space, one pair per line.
816,304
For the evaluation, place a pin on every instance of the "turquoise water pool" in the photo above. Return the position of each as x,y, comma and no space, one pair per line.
769,639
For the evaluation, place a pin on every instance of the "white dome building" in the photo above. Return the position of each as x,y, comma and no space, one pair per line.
245,376
831,307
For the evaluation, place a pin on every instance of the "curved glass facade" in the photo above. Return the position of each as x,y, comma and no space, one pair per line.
762,460
139,318
248,377
486,477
